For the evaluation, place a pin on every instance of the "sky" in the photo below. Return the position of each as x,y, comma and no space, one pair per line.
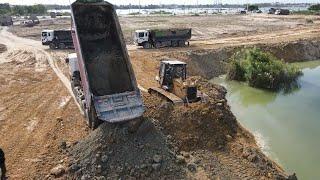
143,2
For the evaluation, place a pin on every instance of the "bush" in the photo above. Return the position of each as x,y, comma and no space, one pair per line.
262,70
315,7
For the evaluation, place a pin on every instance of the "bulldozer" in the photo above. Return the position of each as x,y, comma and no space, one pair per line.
175,87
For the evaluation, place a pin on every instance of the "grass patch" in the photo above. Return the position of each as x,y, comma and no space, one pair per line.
263,70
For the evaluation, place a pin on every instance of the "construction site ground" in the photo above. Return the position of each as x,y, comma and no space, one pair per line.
41,126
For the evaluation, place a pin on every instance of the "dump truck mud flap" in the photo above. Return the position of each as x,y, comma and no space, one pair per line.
119,107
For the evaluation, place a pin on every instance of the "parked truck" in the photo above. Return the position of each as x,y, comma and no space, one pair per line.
103,79
158,38
57,39
6,20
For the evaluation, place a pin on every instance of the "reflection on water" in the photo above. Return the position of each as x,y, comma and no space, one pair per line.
286,125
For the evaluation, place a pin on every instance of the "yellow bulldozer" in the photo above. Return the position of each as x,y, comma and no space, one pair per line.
175,87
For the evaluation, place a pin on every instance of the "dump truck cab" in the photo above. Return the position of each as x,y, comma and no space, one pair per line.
108,82
141,36
47,36
170,70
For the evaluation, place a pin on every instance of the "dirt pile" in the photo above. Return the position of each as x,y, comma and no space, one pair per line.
211,135
113,152
3,48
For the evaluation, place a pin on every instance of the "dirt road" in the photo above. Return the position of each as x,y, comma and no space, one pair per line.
38,114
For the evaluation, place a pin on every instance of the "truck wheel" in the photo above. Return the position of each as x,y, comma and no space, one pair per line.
158,45
147,45
182,43
62,46
93,120
174,43
52,46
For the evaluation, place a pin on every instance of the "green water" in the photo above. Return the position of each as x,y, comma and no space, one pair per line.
286,126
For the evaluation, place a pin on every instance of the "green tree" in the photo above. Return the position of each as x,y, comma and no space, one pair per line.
252,7
315,7
5,9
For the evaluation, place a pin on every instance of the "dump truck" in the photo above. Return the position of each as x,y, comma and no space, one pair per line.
174,86
6,20
34,19
57,39
158,38
105,83
282,12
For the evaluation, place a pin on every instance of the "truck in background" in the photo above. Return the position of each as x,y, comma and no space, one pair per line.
158,38
57,39
6,20
105,85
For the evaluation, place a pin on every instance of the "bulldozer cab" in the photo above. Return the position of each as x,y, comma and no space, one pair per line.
170,70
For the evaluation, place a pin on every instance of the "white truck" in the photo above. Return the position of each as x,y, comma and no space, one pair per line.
57,39
157,38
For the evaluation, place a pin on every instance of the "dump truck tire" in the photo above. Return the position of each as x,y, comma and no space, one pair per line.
174,43
158,45
93,120
147,45
52,46
62,46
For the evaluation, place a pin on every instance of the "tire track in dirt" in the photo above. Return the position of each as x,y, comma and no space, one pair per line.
15,42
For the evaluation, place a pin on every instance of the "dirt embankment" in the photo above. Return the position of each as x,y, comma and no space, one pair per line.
212,63
199,141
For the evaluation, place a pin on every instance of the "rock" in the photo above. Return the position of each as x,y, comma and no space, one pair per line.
100,178
156,166
104,158
293,177
253,158
58,171
180,160
85,177
185,154
59,119
63,145
157,158
192,167
229,138
73,168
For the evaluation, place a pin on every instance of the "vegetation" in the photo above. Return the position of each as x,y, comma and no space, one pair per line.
306,12
315,7
22,10
252,7
262,70
312,10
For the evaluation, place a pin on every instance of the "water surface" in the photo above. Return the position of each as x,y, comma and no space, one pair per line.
286,126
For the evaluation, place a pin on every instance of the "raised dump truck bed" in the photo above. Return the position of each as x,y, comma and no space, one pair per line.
108,81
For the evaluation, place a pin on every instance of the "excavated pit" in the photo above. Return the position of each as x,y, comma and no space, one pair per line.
104,54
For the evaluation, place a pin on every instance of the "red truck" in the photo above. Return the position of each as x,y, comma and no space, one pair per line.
103,80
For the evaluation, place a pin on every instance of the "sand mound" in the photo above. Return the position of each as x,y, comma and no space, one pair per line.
112,151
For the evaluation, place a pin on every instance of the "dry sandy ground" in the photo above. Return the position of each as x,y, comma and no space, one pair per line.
205,28
37,111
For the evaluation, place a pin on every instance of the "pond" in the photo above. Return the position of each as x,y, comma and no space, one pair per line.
286,125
